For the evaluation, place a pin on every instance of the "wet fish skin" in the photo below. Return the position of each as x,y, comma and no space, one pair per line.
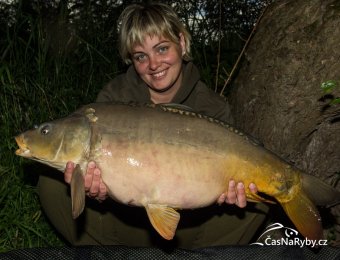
164,158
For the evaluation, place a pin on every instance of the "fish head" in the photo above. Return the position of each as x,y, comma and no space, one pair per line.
57,142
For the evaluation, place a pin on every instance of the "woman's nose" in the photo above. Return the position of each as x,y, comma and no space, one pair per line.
154,62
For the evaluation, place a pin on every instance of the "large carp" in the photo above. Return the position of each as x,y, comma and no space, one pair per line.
163,159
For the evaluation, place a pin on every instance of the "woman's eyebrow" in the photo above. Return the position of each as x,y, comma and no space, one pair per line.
153,47
156,45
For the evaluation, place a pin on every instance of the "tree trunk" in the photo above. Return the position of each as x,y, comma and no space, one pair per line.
276,96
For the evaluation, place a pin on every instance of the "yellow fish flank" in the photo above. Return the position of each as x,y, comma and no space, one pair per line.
163,158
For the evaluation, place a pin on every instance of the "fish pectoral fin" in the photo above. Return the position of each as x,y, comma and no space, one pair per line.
254,197
164,219
77,192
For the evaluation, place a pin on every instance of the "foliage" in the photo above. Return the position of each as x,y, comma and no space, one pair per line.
57,55
328,87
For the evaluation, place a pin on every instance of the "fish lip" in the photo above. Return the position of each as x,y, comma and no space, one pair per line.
23,149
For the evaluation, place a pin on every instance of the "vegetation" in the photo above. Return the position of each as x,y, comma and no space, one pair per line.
57,55
328,87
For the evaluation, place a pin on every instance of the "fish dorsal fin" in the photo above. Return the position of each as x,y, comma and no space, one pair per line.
188,111
175,106
164,219
77,192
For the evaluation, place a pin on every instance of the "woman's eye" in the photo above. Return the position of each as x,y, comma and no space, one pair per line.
140,57
163,49
45,130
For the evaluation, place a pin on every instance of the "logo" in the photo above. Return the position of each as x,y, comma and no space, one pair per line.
277,235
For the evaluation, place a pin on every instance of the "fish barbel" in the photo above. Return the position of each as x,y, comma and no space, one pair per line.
163,159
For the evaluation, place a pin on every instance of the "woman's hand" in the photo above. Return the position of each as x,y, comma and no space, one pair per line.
94,186
236,194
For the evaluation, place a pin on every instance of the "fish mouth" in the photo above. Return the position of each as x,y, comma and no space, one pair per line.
23,148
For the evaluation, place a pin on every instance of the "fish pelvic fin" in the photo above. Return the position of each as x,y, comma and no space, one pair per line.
164,219
319,192
77,192
305,216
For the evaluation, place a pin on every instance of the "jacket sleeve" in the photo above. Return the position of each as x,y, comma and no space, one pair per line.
110,92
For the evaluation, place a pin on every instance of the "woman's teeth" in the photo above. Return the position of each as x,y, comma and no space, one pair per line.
159,74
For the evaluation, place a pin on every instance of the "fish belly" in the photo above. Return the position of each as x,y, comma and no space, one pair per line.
173,175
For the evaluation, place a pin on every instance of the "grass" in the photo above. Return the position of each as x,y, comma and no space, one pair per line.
37,85
22,222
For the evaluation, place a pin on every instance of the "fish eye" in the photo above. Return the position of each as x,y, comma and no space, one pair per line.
45,130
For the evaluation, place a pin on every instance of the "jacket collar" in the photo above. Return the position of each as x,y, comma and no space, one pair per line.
190,78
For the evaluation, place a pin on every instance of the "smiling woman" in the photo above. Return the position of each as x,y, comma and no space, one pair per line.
156,43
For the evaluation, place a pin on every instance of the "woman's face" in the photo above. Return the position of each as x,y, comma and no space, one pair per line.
158,61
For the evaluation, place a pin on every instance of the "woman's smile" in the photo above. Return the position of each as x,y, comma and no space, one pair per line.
159,75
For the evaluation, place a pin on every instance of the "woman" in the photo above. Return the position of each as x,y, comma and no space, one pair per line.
156,43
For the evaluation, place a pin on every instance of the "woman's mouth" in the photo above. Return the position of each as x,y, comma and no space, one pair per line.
159,75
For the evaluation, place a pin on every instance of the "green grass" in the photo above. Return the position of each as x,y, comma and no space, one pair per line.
22,222
37,85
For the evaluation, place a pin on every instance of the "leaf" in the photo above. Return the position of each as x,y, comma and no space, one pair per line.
328,86
335,101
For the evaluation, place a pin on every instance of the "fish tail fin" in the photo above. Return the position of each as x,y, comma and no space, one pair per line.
303,213
318,191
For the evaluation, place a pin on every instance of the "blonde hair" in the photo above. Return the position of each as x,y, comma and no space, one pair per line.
157,19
